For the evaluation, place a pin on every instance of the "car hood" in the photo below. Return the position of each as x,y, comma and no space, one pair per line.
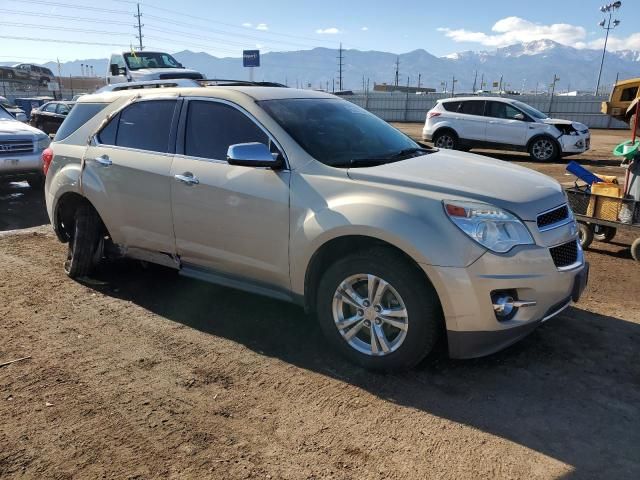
14,127
558,121
459,175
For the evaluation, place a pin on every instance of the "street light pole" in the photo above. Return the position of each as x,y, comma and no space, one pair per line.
607,9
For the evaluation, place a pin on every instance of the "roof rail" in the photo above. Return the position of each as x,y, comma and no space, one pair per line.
168,83
237,83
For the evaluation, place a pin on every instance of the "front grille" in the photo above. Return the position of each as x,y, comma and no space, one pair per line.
11,147
565,254
554,216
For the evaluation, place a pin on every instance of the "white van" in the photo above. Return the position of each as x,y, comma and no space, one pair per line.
135,66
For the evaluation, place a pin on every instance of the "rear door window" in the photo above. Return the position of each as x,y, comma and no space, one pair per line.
213,126
49,107
472,107
144,125
629,94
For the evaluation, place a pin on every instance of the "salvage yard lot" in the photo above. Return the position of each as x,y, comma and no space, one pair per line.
140,373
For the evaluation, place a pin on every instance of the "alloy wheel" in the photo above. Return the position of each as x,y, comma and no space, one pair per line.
543,149
444,141
370,315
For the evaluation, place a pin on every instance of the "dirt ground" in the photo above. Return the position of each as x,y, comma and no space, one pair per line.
139,373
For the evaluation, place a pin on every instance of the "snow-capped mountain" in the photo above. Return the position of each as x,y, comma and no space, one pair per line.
530,64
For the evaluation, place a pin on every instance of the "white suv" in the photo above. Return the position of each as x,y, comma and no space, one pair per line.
502,123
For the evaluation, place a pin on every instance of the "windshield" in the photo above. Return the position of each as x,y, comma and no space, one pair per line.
338,133
138,60
4,115
529,110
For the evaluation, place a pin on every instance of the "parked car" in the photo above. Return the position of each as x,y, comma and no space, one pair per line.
305,197
35,73
141,66
504,124
14,110
50,116
21,147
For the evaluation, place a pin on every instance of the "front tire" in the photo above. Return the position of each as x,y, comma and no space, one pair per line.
85,243
544,149
378,310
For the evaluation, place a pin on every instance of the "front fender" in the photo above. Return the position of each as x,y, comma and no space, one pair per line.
419,229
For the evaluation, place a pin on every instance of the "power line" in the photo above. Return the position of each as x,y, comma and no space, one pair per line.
63,17
55,40
66,29
74,6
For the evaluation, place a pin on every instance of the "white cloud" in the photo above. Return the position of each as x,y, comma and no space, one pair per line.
262,26
632,42
328,31
364,29
510,30
247,24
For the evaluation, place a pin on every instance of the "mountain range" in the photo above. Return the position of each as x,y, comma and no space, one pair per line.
531,64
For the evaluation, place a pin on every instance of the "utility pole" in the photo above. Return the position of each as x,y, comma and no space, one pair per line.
59,78
556,79
419,80
333,85
475,79
482,82
500,86
397,71
610,8
139,26
453,86
340,65
82,69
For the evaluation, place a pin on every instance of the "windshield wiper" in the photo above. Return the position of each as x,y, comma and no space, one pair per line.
410,151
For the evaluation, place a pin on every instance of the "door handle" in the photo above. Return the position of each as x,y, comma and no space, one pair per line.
103,160
187,178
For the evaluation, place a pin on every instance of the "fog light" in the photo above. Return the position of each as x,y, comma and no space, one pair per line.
506,304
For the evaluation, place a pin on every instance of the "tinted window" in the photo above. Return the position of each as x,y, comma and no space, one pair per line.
628,94
78,116
451,106
107,135
146,125
336,132
213,126
49,107
502,110
472,107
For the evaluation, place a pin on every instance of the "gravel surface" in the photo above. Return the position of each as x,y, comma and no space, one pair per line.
140,373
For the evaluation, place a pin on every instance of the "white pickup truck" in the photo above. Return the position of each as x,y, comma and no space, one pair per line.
135,66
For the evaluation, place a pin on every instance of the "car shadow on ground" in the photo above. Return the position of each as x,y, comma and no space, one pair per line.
571,390
523,157
21,206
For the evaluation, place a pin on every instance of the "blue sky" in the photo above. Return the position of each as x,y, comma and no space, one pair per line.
225,28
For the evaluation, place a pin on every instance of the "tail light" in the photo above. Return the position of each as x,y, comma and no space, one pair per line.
432,114
47,156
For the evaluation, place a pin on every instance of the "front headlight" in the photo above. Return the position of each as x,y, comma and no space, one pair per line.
42,143
490,226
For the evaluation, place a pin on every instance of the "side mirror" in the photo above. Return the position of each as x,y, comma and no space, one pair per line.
518,116
113,68
252,154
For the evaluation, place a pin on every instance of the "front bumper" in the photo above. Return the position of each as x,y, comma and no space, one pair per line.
16,165
473,329
570,144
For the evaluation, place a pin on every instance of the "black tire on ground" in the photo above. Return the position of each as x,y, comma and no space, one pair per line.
603,233
544,149
635,249
84,243
446,139
585,234
424,314
36,183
